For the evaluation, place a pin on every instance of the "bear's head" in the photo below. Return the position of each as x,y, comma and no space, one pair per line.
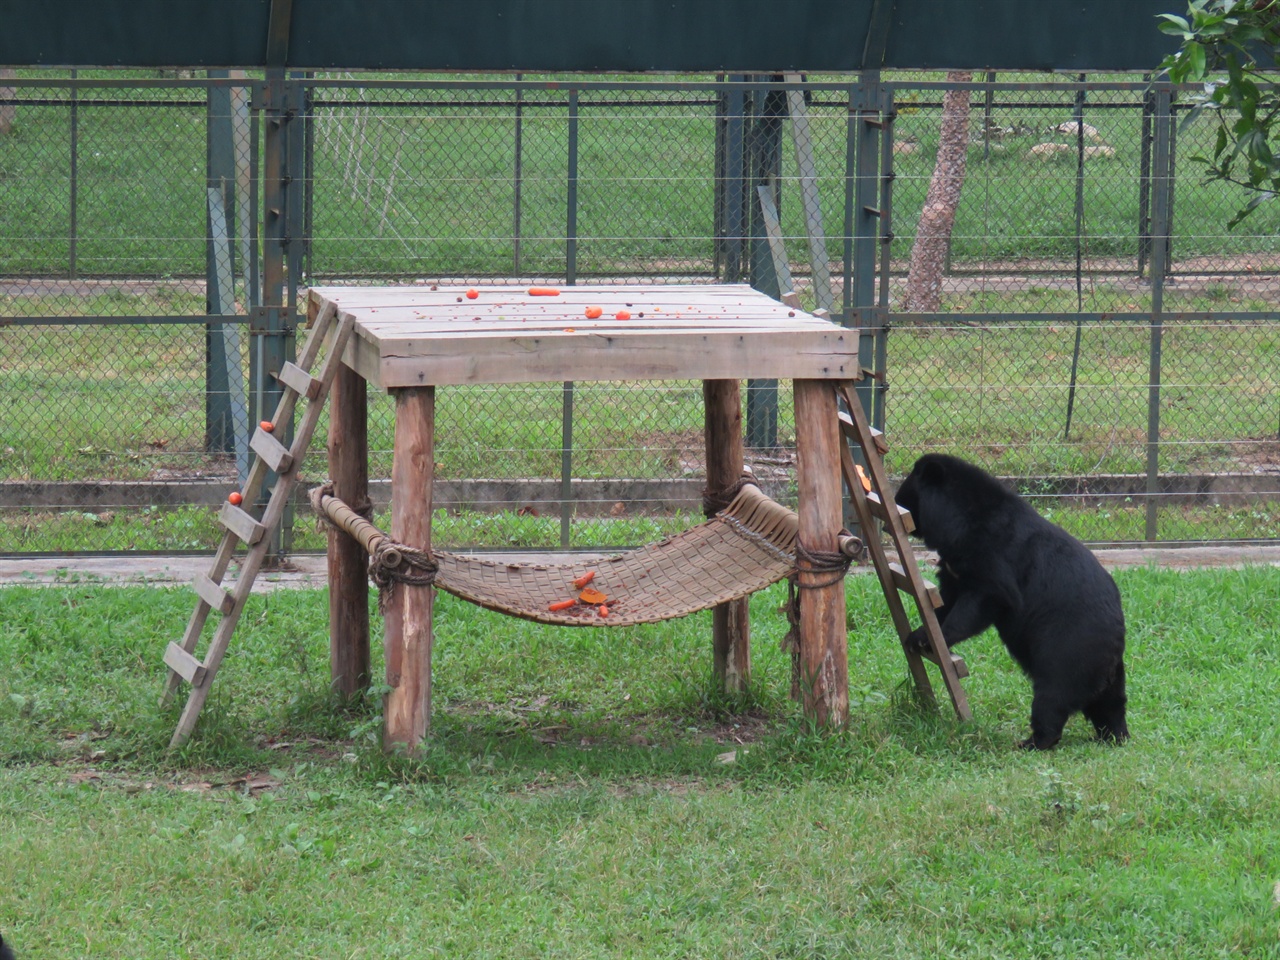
927,475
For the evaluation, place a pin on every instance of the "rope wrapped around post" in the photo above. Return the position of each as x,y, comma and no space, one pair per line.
389,562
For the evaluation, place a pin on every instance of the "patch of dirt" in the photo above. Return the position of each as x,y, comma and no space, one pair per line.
209,782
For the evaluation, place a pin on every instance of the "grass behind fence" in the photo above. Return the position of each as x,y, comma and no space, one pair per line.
575,802
423,183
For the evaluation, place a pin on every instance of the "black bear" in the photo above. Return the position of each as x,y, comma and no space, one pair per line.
5,952
1001,564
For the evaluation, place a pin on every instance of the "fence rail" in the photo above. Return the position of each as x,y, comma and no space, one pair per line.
1101,339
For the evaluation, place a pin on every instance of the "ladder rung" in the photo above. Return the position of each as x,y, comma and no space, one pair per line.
877,508
242,524
851,432
213,594
957,661
184,665
903,583
273,453
298,380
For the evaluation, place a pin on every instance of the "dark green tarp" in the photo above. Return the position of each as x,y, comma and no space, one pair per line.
589,35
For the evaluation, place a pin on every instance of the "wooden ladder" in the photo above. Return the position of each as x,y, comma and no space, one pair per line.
904,576
269,456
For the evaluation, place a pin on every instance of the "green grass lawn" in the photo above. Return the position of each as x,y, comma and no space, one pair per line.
574,802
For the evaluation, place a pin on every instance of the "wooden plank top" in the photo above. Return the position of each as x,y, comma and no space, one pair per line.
417,336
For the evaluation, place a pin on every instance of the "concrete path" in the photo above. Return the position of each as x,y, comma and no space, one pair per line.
308,570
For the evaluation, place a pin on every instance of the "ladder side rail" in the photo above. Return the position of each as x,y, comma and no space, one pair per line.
898,533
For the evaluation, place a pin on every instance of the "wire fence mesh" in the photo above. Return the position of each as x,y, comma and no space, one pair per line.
136,219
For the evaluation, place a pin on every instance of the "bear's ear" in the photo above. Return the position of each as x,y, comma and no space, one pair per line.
932,471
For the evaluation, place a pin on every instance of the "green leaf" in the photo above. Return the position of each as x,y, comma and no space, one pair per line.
1196,61
1175,26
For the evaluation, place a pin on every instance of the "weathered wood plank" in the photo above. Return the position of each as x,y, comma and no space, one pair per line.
730,623
349,658
241,523
878,510
823,648
408,337
213,594
723,356
298,380
877,436
184,665
903,583
274,453
408,620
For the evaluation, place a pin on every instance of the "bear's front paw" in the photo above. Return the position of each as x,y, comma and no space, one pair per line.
918,641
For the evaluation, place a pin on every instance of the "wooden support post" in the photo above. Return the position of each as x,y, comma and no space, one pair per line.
730,624
824,655
348,562
407,713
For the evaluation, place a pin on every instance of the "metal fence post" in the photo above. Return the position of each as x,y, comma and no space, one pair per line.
571,278
1161,182
283,171
73,199
867,110
517,176
764,167
731,186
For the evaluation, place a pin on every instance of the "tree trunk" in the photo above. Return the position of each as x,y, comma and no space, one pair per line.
8,111
924,279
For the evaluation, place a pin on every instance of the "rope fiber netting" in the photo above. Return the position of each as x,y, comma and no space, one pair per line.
747,546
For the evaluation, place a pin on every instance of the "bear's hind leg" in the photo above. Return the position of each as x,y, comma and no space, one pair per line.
1107,710
1049,714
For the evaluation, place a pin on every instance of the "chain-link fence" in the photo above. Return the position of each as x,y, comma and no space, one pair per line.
1100,338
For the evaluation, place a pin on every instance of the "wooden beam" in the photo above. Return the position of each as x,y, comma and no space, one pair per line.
824,658
349,668
730,624
408,637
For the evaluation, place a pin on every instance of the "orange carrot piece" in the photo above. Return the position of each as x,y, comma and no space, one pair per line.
583,580
543,292
561,605
866,481
603,611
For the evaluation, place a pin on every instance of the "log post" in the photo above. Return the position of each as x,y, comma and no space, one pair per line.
407,643
348,562
824,655
730,624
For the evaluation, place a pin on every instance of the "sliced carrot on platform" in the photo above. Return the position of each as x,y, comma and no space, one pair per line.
592,596
583,580
561,605
603,611
543,292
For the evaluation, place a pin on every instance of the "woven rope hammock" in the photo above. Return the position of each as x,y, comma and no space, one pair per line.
742,549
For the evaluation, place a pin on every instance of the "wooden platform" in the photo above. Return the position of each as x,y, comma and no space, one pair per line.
413,340
416,336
